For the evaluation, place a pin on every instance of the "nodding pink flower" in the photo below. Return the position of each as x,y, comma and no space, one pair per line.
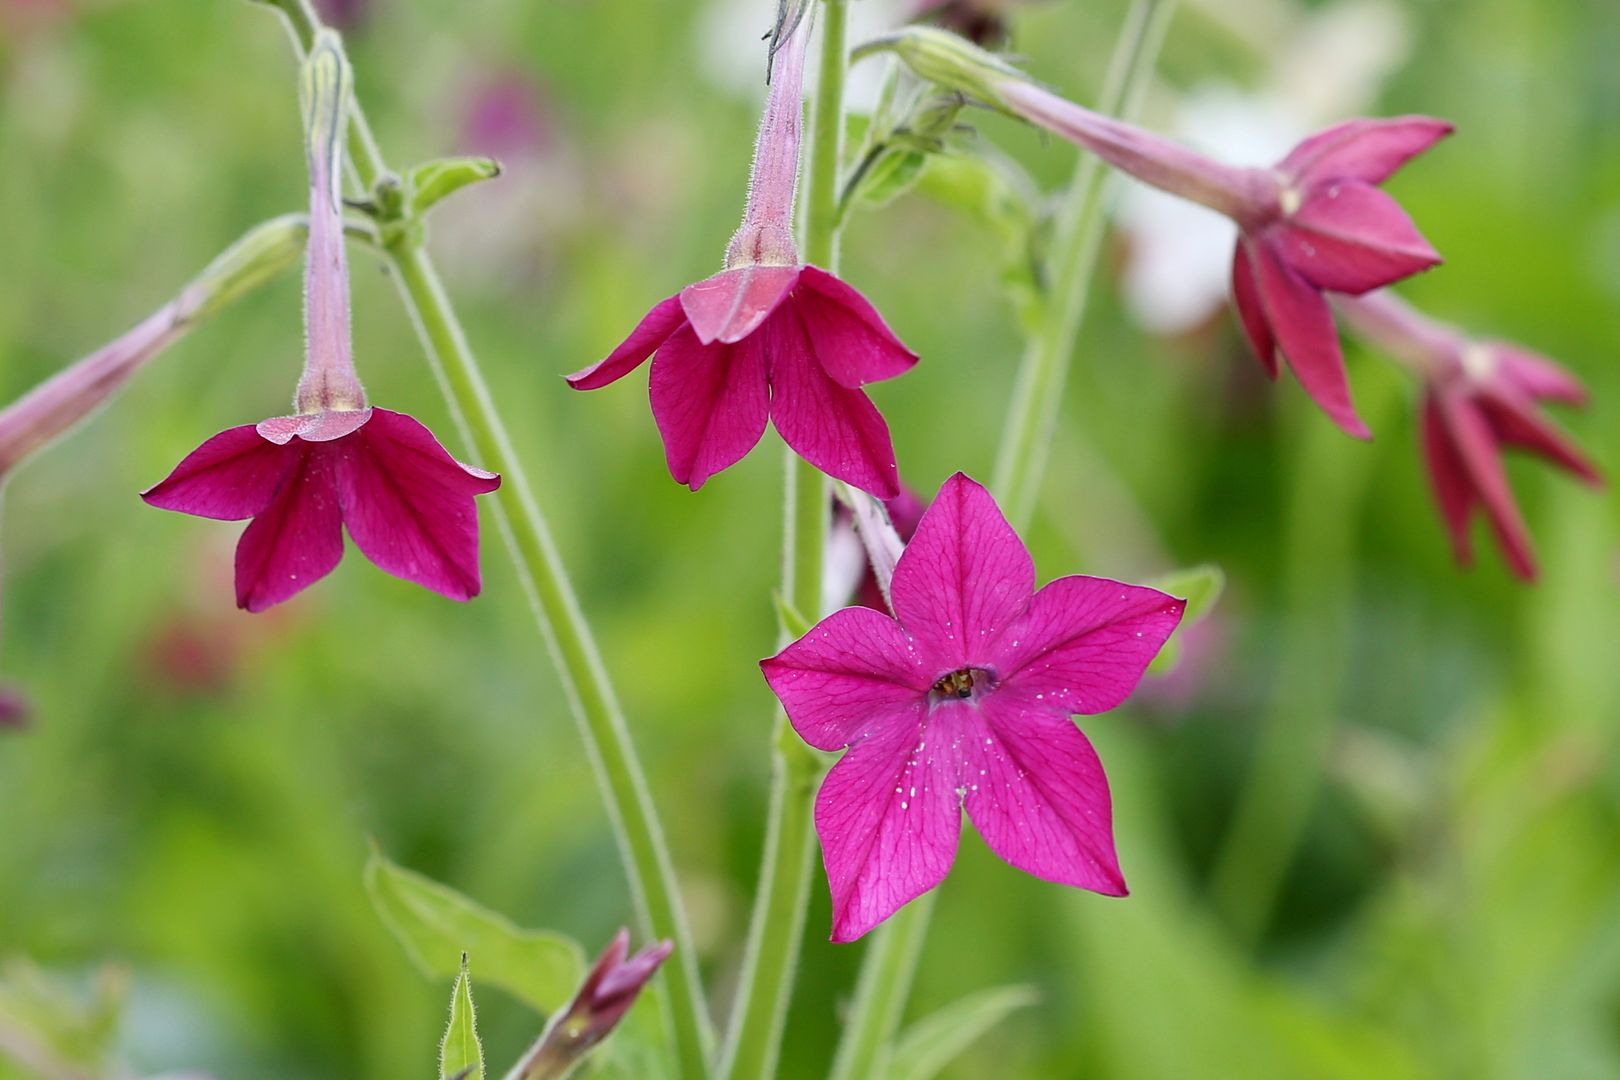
1480,397
769,337
1315,222
609,990
963,701
407,503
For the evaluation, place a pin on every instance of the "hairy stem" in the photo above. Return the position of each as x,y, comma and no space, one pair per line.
539,566
777,929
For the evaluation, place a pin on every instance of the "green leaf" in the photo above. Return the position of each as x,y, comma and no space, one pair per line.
924,1049
460,1054
433,181
436,924
1201,587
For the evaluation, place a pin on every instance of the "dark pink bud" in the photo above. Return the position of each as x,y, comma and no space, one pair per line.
608,992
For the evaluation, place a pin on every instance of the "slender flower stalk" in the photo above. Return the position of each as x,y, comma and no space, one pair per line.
583,677
56,405
776,931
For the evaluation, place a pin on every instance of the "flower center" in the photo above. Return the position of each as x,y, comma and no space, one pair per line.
961,685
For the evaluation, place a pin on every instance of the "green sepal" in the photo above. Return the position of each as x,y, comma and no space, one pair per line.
433,181
461,1055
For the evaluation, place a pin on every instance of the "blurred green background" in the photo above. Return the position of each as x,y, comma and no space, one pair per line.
1430,886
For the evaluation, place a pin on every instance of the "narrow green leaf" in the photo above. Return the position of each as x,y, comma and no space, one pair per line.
460,1054
1201,587
924,1049
435,925
433,181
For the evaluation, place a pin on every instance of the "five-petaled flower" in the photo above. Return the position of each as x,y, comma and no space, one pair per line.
768,338
1315,222
407,503
1479,397
963,700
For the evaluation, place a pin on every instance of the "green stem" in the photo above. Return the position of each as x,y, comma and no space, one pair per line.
562,624
891,961
776,931
1038,395
881,993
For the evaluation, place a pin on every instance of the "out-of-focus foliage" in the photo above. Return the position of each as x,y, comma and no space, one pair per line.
1432,886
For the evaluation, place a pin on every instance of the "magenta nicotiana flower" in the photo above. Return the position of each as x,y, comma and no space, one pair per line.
1315,222
1480,397
407,503
963,701
769,337
608,992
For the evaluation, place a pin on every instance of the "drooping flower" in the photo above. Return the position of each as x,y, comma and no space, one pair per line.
407,503
1480,397
609,990
769,337
1315,222
963,701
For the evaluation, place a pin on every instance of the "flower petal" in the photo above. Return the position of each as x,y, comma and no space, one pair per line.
1366,150
710,402
409,505
1038,795
656,326
1351,238
297,539
1086,642
853,343
889,820
1303,324
1536,376
1246,297
732,304
1453,491
1517,422
326,426
232,476
836,429
852,665
1481,459
963,579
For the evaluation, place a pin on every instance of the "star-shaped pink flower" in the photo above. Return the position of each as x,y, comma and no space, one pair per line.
1328,229
768,338
407,503
963,701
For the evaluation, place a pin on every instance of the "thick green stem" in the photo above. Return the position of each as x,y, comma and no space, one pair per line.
539,566
777,930
1038,395
891,960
